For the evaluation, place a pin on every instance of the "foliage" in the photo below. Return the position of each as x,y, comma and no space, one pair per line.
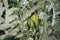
15,13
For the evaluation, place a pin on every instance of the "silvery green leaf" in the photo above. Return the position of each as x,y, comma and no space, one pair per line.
30,38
